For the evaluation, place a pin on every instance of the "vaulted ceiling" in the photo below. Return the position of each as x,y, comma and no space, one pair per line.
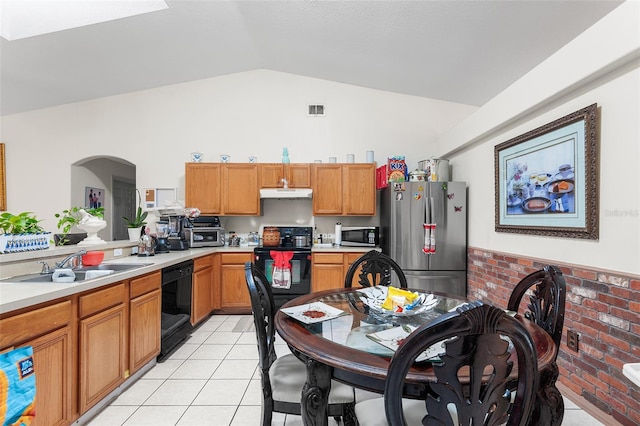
459,51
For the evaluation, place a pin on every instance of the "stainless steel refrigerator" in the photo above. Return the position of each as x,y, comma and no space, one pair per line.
405,208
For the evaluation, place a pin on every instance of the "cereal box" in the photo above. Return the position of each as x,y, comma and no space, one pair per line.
397,169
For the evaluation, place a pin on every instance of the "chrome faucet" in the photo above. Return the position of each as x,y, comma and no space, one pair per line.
70,259
46,269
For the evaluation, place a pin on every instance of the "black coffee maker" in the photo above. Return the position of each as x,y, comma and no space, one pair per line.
162,237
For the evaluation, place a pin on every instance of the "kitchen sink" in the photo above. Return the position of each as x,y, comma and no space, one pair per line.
117,267
82,274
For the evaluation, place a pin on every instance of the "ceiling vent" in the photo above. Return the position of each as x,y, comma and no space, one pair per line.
316,110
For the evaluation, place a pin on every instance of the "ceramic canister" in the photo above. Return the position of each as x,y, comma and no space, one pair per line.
271,236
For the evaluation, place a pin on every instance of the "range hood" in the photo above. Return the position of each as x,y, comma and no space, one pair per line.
285,193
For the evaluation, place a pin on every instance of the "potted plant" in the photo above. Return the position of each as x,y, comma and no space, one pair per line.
135,224
70,218
21,232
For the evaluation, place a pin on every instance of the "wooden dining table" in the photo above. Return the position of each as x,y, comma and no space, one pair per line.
339,348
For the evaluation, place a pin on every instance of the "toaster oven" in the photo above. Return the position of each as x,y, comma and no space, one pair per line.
204,236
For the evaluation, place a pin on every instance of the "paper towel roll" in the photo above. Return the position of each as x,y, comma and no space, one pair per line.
338,238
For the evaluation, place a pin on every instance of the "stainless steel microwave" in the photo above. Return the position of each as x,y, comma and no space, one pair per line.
360,236
204,236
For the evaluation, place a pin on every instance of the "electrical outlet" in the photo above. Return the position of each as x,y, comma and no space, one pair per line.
572,340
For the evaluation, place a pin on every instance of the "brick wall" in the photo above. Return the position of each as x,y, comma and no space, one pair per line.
602,306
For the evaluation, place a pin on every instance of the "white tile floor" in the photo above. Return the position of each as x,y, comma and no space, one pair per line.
212,380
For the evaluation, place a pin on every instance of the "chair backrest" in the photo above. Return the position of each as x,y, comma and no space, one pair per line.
263,307
547,303
377,269
475,344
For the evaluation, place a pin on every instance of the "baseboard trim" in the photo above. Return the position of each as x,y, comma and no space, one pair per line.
589,408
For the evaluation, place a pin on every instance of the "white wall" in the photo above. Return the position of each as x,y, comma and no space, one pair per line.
251,113
601,66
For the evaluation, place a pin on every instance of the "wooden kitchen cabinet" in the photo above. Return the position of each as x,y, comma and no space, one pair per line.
48,330
102,340
330,269
234,293
223,189
298,175
344,189
359,182
145,311
240,193
203,187
203,284
53,362
327,271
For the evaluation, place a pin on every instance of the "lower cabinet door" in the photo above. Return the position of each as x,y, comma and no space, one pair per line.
144,329
103,350
235,294
53,365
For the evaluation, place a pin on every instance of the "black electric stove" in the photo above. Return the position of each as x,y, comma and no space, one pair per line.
288,236
300,262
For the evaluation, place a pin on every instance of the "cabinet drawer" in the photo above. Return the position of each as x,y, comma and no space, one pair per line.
235,258
202,262
327,258
19,328
145,284
101,299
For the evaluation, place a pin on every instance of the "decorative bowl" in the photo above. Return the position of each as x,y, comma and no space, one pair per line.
93,258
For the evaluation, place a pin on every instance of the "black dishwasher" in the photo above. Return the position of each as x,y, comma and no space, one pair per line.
176,306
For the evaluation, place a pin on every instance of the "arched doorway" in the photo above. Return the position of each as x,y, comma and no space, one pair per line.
117,177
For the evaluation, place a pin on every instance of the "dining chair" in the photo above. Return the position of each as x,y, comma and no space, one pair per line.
284,377
546,303
546,308
376,268
471,377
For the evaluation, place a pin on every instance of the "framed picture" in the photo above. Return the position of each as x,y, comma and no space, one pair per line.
93,197
546,180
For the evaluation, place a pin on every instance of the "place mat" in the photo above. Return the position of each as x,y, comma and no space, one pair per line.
312,313
393,338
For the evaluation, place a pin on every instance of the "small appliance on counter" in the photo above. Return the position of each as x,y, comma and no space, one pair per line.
204,231
360,236
162,237
201,231
177,225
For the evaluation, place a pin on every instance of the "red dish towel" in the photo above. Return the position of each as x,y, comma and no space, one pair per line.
281,276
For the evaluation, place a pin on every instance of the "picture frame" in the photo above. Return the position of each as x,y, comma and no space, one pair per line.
93,197
546,180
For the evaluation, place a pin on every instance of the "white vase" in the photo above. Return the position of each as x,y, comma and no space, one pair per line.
91,227
134,233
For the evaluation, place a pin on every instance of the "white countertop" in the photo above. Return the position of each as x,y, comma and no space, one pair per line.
17,295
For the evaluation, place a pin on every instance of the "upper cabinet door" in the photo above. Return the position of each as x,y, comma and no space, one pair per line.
241,195
298,175
203,187
344,189
359,189
327,189
271,175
